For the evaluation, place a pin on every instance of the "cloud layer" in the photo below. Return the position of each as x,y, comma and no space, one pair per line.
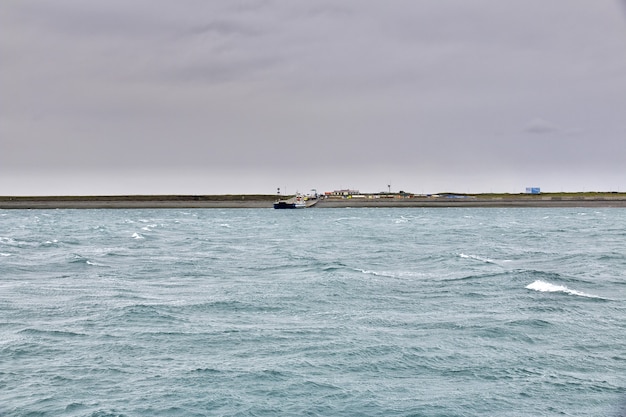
212,97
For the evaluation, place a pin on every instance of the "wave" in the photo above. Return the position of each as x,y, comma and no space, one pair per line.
343,219
390,274
137,236
337,267
543,286
50,333
232,305
78,259
149,227
7,241
92,263
375,273
477,276
402,219
478,258
530,323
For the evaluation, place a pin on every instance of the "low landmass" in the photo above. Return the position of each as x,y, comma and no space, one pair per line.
576,199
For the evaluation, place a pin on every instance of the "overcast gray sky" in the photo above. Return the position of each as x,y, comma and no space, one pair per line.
224,96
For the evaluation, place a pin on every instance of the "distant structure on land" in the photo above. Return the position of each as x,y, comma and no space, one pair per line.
346,193
533,190
342,193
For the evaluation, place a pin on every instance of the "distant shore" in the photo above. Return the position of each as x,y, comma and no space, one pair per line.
266,201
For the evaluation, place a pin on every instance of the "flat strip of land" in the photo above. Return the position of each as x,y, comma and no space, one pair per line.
137,201
478,202
266,201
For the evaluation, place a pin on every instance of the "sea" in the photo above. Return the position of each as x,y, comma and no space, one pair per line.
315,312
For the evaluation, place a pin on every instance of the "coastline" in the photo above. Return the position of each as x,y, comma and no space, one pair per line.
266,201
480,203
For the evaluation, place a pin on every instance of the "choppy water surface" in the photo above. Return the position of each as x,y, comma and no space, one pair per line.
379,312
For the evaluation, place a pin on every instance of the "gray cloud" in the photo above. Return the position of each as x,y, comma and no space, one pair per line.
540,126
424,94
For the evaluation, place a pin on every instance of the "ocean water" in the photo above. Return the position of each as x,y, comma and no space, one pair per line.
319,312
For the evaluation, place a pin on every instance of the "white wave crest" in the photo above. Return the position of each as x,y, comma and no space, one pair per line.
5,254
543,286
137,236
365,271
391,274
477,258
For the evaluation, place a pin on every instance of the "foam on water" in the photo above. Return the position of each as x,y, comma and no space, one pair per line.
92,263
7,241
477,258
391,274
543,286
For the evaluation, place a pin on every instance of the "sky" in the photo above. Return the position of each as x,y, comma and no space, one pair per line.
248,96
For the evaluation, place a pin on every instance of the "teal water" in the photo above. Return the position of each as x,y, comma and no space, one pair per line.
346,312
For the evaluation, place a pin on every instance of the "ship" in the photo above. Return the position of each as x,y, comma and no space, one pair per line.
291,203
297,202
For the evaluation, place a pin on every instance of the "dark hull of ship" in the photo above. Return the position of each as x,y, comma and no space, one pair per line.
286,205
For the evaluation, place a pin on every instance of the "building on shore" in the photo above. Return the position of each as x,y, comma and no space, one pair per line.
342,193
